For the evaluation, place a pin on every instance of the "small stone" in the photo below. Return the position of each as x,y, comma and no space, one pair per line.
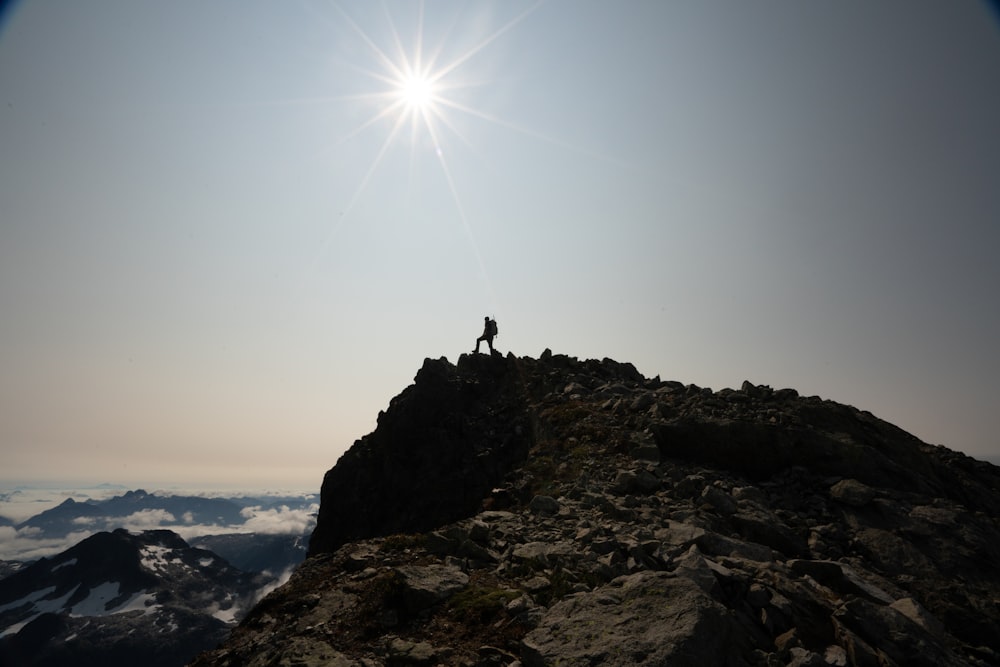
852,492
544,505
758,595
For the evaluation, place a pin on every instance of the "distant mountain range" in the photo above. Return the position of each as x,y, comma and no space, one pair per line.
145,597
122,599
153,510
269,554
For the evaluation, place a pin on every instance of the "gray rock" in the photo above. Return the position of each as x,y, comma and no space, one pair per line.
749,494
719,499
645,618
696,568
635,481
479,532
680,534
914,611
423,586
302,652
720,545
841,578
544,505
800,657
866,627
690,486
642,402
405,652
852,492
544,554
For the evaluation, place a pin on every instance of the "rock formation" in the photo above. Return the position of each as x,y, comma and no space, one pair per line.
555,511
438,450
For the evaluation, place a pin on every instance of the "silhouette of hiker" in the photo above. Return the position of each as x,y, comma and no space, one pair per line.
489,331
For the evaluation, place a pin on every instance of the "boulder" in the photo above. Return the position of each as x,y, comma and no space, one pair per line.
852,492
645,618
422,586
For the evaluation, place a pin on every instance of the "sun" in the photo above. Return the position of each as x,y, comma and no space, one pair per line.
417,89
417,92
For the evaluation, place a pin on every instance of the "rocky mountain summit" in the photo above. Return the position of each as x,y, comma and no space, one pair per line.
553,511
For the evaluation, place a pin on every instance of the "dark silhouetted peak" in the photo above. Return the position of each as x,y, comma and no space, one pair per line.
453,435
443,443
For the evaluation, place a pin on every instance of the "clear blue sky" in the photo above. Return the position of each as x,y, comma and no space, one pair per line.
226,239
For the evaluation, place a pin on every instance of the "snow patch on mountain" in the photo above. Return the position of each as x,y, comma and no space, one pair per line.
96,603
157,558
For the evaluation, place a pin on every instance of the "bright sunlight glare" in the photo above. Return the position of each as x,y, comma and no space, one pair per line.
417,92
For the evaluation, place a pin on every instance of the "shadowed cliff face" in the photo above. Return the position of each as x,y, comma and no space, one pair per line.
438,450
557,511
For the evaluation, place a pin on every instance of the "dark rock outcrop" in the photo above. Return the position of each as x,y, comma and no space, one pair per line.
552,511
439,449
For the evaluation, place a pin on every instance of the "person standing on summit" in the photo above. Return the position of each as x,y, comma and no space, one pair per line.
489,331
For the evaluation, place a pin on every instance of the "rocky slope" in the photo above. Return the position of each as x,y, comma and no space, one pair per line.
121,599
518,511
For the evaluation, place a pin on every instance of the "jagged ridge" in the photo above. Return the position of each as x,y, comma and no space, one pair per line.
442,445
563,511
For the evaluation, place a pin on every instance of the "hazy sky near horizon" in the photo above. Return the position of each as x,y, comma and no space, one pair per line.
227,241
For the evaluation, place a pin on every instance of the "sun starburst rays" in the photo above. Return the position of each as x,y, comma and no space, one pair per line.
423,91
419,86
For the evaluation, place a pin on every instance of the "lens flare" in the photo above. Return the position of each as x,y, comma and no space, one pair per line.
417,92
420,90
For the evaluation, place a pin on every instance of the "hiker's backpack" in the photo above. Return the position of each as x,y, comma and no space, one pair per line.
493,328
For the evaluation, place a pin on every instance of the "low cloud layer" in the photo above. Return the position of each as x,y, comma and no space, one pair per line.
25,545
30,543
271,521
282,520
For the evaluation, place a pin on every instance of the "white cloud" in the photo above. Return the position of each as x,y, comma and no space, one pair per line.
280,581
25,545
280,521
197,530
143,520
